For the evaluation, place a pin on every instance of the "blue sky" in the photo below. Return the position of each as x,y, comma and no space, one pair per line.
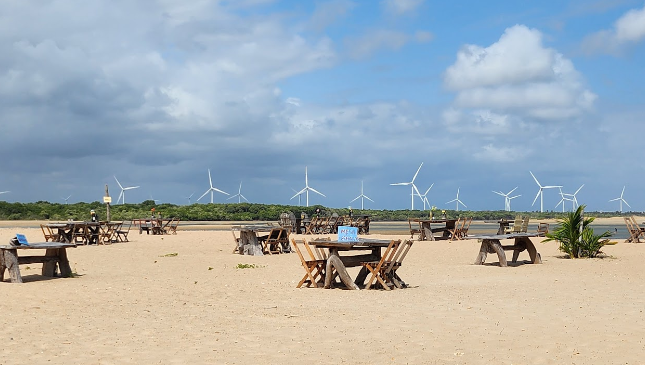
158,92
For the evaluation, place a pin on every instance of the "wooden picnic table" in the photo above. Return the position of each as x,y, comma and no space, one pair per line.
503,225
55,254
340,263
427,232
492,244
80,232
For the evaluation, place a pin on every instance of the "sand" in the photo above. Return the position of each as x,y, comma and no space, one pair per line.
138,303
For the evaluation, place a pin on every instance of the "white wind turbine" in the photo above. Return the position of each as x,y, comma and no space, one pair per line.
211,189
306,189
122,195
575,200
507,198
564,199
620,198
413,187
299,195
362,197
424,197
189,197
65,199
239,195
458,201
540,192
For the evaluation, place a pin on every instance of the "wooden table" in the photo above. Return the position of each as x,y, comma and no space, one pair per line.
492,244
427,232
503,224
249,242
340,263
55,254
79,232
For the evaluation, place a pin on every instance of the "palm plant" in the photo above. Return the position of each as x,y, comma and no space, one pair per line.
576,237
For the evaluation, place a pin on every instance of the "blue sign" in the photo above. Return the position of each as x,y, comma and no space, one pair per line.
22,239
347,234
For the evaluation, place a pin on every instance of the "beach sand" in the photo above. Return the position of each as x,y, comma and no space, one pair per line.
138,303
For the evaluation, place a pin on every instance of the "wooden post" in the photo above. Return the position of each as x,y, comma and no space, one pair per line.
107,206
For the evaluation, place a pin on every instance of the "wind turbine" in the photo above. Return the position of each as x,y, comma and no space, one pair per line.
575,200
540,192
424,197
211,189
306,189
65,199
507,199
414,187
153,199
458,201
362,196
620,198
190,196
564,198
122,195
299,195
239,195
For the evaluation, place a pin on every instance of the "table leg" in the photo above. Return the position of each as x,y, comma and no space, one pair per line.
334,262
530,247
10,262
494,246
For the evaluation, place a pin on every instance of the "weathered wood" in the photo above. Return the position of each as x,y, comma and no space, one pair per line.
248,243
334,262
530,247
11,264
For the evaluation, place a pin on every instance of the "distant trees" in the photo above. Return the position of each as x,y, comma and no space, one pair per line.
43,210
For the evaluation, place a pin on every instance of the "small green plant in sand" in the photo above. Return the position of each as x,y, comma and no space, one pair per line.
576,237
170,254
247,266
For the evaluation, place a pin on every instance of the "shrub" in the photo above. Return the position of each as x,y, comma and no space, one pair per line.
576,237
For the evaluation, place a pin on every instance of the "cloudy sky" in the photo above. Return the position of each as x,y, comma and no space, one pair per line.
158,92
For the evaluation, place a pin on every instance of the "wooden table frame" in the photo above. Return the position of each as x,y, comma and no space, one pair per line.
55,254
337,265
81,232
492,244
427,232
248,242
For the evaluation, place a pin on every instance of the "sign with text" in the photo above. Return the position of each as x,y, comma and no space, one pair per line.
347,234
107,199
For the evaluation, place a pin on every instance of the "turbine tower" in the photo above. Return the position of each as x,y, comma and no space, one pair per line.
239,195
564,198
413,187
299,195
507,198
458,201
362,197
307,188
211,189
540,192
424,197
122,195
620,198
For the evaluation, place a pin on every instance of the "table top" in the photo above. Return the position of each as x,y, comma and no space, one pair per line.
503,236
427,220
40,245
255,227
362,242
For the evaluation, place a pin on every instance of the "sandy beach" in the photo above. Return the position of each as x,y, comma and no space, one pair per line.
180,299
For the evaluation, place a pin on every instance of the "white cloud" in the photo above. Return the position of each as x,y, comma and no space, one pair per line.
327,13
400,7
629,28
373,41
491,153
517,77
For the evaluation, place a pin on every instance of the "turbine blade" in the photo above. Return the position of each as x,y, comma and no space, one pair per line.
538,194
415,175
203,195
407,183
536,180
580,188
298,193
625,201
117,181
220,191
510,192
316,191
210,181
355,199
366,197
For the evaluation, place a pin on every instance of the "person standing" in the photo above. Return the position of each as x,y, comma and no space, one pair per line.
94,228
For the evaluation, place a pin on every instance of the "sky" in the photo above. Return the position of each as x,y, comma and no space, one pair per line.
156,93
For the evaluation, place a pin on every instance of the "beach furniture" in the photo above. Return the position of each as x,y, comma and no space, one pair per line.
492,244
635,231
415,227
55,255
463,233
384,271
249,242
543,229
122,231
314,266
455,231
277,241
49,234
516,227
525,224
442,226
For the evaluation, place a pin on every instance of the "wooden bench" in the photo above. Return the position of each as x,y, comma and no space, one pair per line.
55,254
492,244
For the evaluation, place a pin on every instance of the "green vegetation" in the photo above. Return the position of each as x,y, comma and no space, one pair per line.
170,254
247,266
576,237
42,210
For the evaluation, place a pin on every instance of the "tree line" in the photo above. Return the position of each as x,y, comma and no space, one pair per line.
42,210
